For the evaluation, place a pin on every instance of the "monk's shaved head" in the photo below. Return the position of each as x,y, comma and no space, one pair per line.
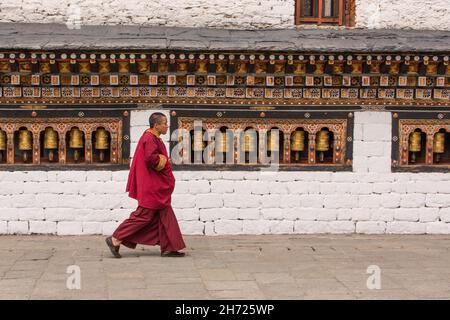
156,118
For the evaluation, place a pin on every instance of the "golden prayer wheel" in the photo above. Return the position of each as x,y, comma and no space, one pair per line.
2,140
101,139
221,143
50,139
322,143
25,143
197,141
272,141
439,144
249,144
50,142
101,142
2,144
415,144
197,145
297,143
76,142
25,140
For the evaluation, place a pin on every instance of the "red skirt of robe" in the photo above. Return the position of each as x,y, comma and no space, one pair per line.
151,227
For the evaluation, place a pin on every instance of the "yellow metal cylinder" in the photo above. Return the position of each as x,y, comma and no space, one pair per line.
273,143
2,140
76,139
50,139
249,141
415,141
25,140
221,143
439,142
323,140
101,139
298,141
197,141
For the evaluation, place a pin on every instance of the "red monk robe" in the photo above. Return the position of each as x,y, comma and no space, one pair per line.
151,182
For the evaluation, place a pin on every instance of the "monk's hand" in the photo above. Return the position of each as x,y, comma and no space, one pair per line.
162,162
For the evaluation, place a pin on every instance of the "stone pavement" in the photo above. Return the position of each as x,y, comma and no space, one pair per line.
230,267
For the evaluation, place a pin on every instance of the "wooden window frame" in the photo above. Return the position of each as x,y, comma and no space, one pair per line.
62,118
403,124
346,15
183,117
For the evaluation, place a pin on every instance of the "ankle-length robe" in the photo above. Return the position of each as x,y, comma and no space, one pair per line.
151,182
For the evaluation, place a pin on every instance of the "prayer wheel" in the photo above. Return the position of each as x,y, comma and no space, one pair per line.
198,145
322,143
25,143
273,143
50,142
197,141
439,144
249,142
415,141
221,143
2,144
297,143
101,142
76,142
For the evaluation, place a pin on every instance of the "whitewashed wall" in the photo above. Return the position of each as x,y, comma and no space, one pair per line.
240,14
370,199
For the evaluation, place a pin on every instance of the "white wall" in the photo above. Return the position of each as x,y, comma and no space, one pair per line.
370,199
241,14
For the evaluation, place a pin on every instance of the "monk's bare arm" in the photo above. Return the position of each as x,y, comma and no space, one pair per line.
151,155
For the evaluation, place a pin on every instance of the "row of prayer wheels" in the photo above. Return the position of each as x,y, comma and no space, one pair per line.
250,143
76,143
415,145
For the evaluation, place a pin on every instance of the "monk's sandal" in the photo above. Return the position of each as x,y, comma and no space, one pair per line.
114,249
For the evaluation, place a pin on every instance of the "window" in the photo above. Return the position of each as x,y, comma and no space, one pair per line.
335,12
421,141
236,139
70,138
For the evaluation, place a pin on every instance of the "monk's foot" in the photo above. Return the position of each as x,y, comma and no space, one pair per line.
172,254
114,249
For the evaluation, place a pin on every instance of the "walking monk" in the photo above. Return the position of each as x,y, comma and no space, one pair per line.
151,183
